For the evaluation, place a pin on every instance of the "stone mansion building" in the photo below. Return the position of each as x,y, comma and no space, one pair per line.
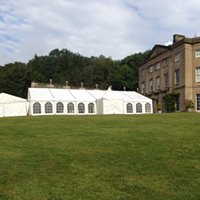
172,69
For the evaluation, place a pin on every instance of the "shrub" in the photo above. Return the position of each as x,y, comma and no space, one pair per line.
170,101
189,104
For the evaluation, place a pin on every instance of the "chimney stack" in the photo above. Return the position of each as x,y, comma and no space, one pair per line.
177,37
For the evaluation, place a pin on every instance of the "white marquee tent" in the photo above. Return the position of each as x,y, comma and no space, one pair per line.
52,101
12,106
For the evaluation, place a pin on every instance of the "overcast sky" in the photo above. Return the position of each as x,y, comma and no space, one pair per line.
114,28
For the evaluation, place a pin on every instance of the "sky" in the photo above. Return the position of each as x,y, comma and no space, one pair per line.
113,28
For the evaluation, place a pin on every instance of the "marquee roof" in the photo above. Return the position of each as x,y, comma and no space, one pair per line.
136,96
53,94
7,98
62,94
111,95
82,95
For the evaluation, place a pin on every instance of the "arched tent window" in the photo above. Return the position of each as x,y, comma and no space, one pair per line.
90,108
48,107
147,107
36,108
138,108
81,108
59,107
129,108
70,108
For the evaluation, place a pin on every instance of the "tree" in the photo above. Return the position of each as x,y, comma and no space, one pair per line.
64,65
15,79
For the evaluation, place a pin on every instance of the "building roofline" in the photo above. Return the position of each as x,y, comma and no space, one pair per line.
152,50
158,46
178,40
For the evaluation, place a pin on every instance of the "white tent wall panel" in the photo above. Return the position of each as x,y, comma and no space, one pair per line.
112,106
30,110
100,106
134,108
13,109
53,103
143,107
43,107
151,108
75,108
1,110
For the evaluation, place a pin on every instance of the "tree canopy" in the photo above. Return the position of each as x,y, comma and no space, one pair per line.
64,65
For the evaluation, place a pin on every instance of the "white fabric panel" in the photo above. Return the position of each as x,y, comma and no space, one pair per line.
109,94
137,97
15,109
6,98
122,95
62,95
12,106
82,95
40,94
100,106
97,94
1,110
112,107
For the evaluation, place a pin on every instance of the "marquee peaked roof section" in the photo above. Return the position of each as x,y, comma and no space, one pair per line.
136,96
41,94
7,98
62,94
82,95
122,95
110,95
97,94
47,94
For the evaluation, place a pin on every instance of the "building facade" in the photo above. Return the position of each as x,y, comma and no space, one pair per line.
173,69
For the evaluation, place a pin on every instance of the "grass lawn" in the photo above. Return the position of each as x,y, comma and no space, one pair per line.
140,157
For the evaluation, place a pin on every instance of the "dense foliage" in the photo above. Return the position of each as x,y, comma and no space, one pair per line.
170,101
63,65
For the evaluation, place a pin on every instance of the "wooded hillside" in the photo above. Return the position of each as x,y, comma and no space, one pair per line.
64,65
